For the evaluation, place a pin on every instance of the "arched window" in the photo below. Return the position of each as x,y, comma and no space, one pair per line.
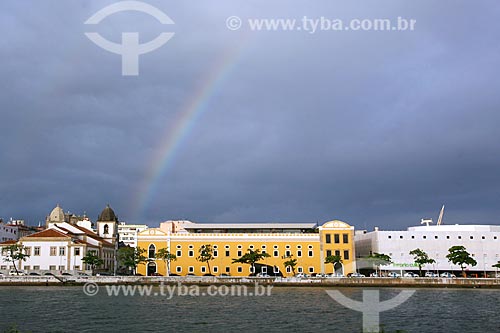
106,229
151,251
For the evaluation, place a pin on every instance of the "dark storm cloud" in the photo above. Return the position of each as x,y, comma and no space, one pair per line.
376,128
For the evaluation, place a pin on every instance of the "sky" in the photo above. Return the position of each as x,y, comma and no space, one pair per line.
375,128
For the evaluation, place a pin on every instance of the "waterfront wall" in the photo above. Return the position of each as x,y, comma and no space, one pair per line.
207,280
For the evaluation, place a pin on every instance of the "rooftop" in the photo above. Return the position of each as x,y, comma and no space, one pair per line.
307,225
48,233
457,227
8,242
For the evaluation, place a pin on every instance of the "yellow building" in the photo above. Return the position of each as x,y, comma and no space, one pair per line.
306,242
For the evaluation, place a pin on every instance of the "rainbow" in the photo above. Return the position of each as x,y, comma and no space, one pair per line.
181,128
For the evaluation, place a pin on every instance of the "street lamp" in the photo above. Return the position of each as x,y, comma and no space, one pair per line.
484,264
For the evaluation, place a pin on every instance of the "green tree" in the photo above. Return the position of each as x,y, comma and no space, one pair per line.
251,257
333,260
458,255
497,266
165,255
13,253
131,257
291,262
206,254
379,259
93,260
421,258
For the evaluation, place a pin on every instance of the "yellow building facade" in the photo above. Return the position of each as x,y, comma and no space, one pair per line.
307,243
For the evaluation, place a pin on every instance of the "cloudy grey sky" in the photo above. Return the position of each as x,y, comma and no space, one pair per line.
374,128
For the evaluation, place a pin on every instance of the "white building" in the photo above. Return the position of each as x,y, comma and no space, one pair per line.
481,241
127,233
59,248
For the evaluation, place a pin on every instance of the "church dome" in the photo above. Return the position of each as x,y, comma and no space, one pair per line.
107,215
57,215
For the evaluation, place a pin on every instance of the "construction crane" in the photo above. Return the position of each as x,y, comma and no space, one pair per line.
440,218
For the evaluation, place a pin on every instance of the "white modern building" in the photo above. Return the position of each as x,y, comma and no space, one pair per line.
481,241
127,233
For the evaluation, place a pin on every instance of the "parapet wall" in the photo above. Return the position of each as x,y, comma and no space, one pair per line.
300,282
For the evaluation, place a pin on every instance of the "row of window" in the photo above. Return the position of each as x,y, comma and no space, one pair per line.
37,267
437,237
239,253
337,253
227,253
52,251
239,269
275,252
336,238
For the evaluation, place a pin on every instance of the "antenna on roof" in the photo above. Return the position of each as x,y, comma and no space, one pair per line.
440,218
426,221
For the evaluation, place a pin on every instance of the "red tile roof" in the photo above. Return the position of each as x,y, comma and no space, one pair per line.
48,233
8,242
57,234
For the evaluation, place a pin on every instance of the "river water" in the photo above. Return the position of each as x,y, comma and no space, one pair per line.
290,309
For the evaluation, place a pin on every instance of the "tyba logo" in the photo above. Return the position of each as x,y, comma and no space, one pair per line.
129,49
371,306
